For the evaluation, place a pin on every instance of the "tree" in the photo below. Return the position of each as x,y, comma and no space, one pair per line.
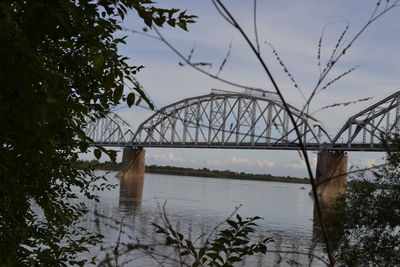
59,66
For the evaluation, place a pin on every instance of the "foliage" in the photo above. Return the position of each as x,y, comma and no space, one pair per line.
60,65
229,246
369,233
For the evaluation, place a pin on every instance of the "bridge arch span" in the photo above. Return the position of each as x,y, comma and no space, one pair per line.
368,129
109,130
229,120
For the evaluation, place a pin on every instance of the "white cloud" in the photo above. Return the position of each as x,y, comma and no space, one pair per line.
300,164
169,158
235,161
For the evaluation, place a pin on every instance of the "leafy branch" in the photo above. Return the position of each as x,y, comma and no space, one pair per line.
229,246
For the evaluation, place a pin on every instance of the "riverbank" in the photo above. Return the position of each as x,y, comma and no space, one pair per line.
207,173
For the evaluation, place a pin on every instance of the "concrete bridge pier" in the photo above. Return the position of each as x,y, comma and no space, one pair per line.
331,176
132,178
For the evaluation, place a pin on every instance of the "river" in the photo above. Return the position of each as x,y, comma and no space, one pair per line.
195,205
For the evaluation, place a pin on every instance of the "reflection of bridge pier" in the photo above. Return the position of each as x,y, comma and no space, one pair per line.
132,178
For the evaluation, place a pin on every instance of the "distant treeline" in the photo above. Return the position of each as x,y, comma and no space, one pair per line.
113,166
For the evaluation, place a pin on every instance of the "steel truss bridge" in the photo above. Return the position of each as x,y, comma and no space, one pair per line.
249,120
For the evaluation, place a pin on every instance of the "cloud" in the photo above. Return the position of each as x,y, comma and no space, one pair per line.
168,158
235,161
300,164
217,163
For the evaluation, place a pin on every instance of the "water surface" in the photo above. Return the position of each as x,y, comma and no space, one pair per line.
195,205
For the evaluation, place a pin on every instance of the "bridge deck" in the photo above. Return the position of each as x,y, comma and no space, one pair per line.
310,147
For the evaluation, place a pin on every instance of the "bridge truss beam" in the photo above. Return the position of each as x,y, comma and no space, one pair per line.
229,120
111,130
366,130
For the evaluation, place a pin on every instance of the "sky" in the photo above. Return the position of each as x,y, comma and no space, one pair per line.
294,29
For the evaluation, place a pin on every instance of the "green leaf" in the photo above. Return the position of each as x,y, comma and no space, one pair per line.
121,13
268,239
171,22
159,230
83,146
184,253
130,100
170,241
202,251
118,93
138,101
189,244
234,259
182,25
97,153
180,236
112,154
232,223
98,62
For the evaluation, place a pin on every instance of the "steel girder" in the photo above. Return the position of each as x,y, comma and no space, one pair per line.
366,130
111,130
229,120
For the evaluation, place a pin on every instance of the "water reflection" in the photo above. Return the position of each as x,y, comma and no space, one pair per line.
333,220
131,192
196,205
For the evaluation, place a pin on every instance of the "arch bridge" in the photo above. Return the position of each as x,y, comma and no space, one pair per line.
250,120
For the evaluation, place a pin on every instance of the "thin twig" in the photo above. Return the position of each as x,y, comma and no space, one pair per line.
351,172
115,251
225,59
342,104
151,254
338,78
286,106
286,70
374,16
299,253
255,26
320,48
161,38
222,222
